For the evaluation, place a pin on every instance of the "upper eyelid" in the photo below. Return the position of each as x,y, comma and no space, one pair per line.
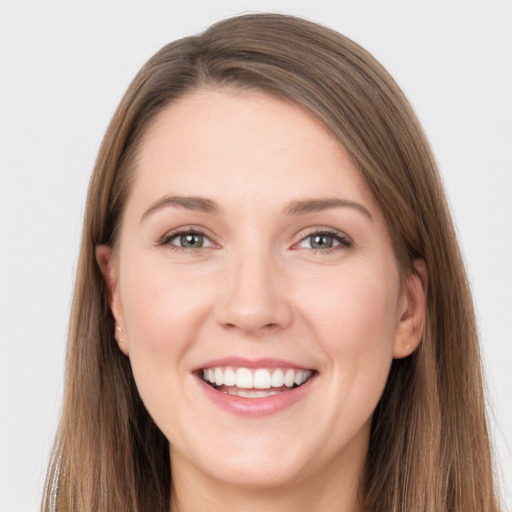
345,241
300,236
184,230
321,230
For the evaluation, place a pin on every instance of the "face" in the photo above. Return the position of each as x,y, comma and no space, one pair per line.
257,292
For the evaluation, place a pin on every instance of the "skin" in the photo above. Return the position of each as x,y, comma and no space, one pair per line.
256,289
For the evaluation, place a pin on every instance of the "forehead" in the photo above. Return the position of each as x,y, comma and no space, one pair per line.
247,145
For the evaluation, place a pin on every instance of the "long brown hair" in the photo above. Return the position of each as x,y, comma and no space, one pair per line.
429,446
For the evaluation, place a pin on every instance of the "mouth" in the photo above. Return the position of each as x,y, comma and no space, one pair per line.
254,382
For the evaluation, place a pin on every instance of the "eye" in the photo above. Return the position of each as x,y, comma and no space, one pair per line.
323,241
187,240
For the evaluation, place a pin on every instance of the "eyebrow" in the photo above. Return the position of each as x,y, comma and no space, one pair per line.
304,207
194,203
295,208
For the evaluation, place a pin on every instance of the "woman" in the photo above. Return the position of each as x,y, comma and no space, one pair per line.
271,310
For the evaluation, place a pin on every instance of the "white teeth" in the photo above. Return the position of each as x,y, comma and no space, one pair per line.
261,378
277,378
249,393
301,377
244,378
289,378
229,377
219,377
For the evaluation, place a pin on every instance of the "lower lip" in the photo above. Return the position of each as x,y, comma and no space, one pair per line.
255,407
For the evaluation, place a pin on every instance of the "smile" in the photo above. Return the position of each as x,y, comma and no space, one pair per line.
254,382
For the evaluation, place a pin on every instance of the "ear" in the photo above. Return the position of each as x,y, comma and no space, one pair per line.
413,303
106,262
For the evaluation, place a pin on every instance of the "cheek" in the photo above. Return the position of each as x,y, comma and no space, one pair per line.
163,310
356,331
160,305
354,318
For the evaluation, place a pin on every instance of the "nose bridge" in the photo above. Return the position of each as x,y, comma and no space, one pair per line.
252,298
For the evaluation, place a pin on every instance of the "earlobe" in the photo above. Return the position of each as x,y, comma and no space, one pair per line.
412,322
123,346
105,259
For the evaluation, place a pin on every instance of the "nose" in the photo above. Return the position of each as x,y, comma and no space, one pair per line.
254,296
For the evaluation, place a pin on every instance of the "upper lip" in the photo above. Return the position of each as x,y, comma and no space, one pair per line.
240,362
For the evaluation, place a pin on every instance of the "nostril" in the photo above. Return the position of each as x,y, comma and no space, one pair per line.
265,327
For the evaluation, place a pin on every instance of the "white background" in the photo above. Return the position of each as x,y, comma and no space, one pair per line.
65,65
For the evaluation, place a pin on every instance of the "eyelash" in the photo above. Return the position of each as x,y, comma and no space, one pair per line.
169,237
344,241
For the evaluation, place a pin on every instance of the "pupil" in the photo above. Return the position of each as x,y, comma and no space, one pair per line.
321,242
191,240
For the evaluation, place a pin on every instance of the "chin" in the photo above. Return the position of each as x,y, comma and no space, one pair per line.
259,475
261,465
